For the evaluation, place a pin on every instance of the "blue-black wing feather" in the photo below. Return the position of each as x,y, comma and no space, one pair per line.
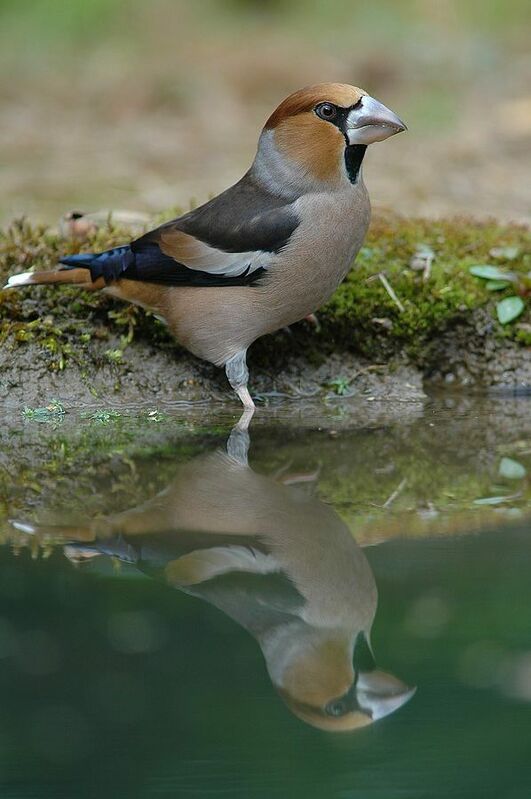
246,218
151,265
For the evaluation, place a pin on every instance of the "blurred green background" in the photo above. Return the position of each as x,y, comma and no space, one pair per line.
128,104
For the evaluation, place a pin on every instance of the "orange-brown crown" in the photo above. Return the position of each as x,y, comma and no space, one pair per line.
307,98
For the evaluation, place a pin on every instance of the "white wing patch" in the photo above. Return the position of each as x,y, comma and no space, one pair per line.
197,255
205,564
205,258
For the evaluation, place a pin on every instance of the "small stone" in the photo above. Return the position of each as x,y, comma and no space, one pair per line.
101,332
382,321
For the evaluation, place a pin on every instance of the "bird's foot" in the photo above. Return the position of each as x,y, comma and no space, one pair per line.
247,400
239,441
238,376
245,419
313,320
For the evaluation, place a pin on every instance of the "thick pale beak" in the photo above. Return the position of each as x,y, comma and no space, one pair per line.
372,121
380,694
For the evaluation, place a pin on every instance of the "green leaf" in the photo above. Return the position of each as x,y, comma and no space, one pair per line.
509,308
54,410
103,417
156,416
505,253
496,285
340,385
489,272
511,469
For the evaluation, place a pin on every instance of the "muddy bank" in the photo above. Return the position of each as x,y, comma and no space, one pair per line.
409,315
149,376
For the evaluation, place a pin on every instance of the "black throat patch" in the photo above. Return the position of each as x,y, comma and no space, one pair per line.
354,154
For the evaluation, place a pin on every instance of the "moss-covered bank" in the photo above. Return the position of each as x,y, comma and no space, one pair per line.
409,310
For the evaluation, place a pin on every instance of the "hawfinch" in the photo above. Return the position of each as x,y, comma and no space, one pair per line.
276,560
266,252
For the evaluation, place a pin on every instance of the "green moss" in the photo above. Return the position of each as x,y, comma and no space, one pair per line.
364,316
70,459
66,321
361,316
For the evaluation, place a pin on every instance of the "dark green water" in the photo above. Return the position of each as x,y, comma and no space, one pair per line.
194,626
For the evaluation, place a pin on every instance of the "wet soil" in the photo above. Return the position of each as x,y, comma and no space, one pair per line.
465,357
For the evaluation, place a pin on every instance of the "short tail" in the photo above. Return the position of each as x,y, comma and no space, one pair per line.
79,276
79,537
87,270
57,533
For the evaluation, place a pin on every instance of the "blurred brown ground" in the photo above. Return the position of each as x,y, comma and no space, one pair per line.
109,104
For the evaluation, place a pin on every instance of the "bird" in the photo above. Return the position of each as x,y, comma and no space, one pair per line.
277,560
266,252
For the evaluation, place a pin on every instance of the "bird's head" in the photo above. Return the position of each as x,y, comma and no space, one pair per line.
319,134
329,688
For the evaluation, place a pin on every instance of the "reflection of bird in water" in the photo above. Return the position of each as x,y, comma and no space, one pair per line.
276,560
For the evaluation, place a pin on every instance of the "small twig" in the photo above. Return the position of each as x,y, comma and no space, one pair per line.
300,477
426,274
279,473
389,501
374,367
390,290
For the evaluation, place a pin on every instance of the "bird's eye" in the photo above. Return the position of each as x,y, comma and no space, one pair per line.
326,111
336,708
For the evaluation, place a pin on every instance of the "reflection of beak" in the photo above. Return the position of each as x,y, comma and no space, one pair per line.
380,694
372,121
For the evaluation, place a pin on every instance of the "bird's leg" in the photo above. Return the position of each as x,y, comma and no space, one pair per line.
238,376
238,441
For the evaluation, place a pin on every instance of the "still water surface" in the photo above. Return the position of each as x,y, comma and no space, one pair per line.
339,607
